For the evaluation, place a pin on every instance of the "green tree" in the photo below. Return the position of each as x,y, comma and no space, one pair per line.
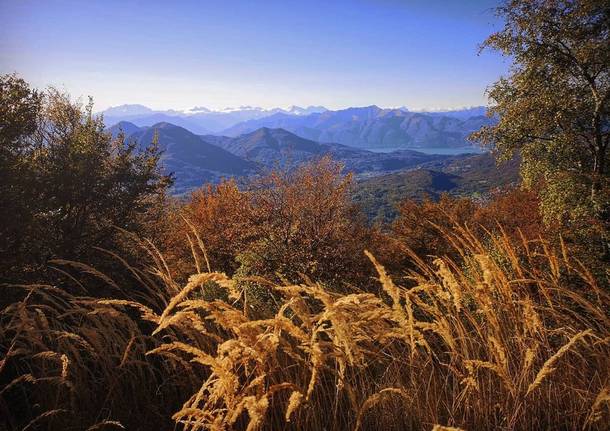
553,108
75,183
19,110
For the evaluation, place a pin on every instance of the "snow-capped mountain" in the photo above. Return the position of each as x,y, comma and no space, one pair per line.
199,119
365,127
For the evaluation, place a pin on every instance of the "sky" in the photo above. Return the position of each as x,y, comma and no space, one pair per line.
422,54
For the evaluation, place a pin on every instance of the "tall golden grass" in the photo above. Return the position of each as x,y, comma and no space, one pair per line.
511,336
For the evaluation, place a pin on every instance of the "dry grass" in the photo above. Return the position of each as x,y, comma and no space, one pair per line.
79,362
510,337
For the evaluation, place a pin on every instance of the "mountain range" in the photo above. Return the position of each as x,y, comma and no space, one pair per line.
370,141
198,119
197,159
193,161
270,147
368,127
372,127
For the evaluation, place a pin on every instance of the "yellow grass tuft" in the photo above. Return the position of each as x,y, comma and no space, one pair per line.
460,341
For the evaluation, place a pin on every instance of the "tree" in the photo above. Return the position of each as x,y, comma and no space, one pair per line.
307,225
284,225
221,217
419,225
19,110
73,182
554,107
422,226
516,212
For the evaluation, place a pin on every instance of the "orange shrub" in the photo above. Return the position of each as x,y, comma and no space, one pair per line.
287,224
516,210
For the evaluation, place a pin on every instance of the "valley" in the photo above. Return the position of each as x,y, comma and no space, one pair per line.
370,142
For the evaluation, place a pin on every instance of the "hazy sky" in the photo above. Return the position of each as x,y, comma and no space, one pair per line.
179,54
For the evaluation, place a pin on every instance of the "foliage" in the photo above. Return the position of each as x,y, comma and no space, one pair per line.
419,226
214,214
309,225
288,224
19,110
69,184
554,108
471,176
511,212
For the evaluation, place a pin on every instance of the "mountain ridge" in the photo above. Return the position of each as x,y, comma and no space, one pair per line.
198,159
372,127
271,147
193,160
198,119
363,127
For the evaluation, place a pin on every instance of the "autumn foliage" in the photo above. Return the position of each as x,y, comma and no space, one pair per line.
286,225
275,305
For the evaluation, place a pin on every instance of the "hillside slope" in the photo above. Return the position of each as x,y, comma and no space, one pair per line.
193,160
474,176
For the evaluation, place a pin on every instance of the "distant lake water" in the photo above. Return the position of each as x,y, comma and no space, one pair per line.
431,150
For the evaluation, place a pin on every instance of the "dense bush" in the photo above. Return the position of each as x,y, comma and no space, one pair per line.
286,225
65,184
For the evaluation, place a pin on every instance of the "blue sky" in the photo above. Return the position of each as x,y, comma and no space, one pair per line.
180,54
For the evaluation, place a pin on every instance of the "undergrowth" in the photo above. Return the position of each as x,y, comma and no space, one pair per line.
508,336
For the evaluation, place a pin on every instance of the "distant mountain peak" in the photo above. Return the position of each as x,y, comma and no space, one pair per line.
126,124
124,127
460,113
242,108
297,110
127,110
270,132
199,109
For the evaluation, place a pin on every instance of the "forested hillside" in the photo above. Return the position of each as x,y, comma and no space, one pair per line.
475,176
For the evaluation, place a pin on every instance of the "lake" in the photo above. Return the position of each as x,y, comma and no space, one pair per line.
432,150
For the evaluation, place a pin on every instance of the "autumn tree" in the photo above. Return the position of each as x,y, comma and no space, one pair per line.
514,212
212,227
288,224
554,106
422,226
308,225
